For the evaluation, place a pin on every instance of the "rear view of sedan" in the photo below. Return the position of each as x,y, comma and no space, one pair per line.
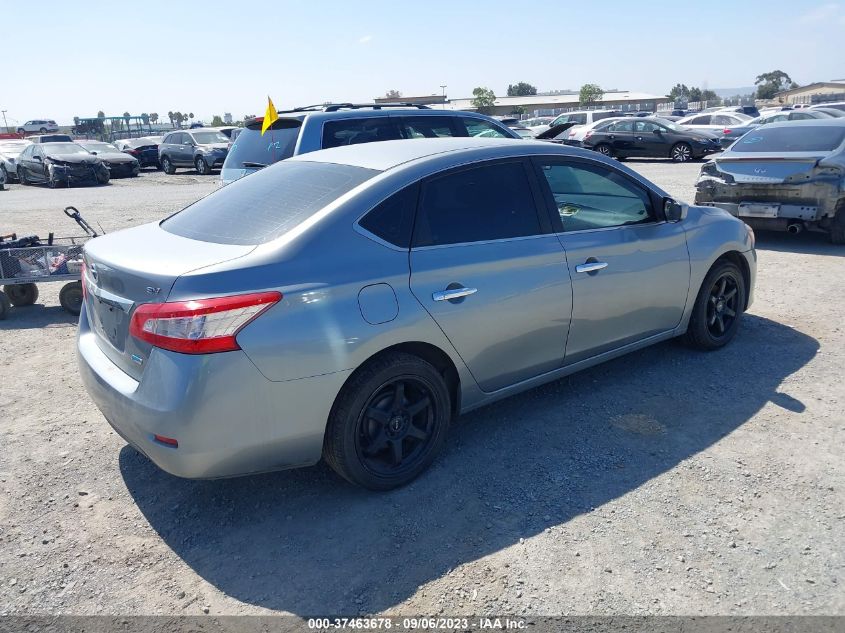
119,164
349,303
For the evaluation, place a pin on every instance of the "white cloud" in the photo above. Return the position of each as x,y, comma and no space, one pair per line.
366,39
831,11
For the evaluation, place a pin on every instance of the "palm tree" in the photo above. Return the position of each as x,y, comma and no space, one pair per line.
170,116
154,117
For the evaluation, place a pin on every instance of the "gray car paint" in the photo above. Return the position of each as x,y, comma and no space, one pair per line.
266,406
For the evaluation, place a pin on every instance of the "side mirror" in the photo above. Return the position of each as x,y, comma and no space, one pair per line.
674,211
95,153
38,158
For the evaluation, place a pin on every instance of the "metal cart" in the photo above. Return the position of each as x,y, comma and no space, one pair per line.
28,261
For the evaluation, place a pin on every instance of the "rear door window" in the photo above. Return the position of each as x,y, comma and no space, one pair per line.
393,219
426,126
266,205
355,131
489,202
701,120
482,128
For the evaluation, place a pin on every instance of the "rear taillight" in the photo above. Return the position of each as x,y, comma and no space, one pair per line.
134,152
587,135
84,283
726,131
202,326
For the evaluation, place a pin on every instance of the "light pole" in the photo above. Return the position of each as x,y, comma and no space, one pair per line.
443,89
5,125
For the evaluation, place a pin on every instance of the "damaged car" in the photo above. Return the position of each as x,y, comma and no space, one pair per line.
782,177
118,163
64,164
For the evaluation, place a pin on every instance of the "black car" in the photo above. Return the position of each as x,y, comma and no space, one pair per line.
120,165
145,149
60,164
651,137
203,150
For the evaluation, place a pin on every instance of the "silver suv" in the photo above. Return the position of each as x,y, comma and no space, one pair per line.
313,128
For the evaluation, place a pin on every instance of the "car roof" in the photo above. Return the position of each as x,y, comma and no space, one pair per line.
831,122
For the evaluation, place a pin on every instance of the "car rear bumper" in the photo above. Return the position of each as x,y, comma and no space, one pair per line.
227,417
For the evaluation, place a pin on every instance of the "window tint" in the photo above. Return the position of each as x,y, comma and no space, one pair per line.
598,116
266,205
622,126
723,119
251,149
798,138
591,197
354,131
482,128
647,127
393,219
800,116
483,203
701,120
426,127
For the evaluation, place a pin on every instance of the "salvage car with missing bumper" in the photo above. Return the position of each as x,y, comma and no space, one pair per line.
349,303
782,177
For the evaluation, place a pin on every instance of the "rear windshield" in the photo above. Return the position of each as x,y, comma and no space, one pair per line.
255,150
800,138
266,205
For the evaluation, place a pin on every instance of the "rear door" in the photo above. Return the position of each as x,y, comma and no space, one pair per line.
630,269
620,135
185,149
486,267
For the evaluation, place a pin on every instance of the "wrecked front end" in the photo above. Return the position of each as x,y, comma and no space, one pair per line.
774,192
71,173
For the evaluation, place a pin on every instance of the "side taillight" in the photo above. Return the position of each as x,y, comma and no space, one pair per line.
82,280
201,326
726,131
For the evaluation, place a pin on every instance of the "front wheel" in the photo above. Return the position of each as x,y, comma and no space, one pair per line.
388,423
21,294
202,167
22,176
43,130
167,166
718,308
70,296
681,153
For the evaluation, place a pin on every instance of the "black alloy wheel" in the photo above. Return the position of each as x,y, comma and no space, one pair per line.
389,422
718,308
395,426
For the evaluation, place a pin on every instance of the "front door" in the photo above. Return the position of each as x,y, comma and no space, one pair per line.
630,269
651,139
489,270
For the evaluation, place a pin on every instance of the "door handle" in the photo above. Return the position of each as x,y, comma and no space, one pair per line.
453,293
590,267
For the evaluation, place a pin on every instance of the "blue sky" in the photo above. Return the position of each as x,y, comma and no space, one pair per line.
62,59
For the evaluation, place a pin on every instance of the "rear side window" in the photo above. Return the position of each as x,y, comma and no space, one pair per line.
800,138
701,120
355,131
250,149
266,205
482,203
598,116
393,219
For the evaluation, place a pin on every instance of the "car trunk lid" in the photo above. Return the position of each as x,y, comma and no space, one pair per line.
768,168
136,266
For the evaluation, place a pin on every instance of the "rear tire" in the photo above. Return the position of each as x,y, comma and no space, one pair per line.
718,307
70,297
167,166
43,130
5,305
388,423
681,153
604,149
21,294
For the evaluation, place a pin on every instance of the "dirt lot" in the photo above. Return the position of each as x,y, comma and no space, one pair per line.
667,482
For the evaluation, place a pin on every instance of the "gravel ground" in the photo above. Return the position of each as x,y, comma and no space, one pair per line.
667,482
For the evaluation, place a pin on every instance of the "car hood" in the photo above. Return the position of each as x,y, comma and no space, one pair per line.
79,159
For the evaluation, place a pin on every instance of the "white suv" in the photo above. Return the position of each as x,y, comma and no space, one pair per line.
584,117
42,126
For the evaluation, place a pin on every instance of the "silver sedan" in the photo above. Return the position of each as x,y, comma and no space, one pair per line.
350,303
